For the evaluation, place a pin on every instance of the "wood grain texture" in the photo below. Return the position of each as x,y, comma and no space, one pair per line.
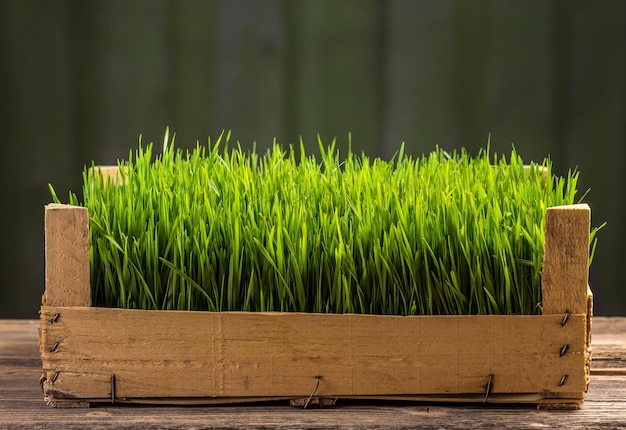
67,256
565,272
158,354
109,173
21,404
609,346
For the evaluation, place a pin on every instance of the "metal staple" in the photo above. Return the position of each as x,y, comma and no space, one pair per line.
113,388
317,384
488,389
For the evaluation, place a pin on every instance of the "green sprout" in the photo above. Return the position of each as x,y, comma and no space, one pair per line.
221,229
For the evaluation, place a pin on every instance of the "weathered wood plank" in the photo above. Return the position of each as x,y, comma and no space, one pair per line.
201,354
109,173
21,405
19,345
67,256
609,346
565,273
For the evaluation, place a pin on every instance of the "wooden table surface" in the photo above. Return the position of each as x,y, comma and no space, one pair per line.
22,405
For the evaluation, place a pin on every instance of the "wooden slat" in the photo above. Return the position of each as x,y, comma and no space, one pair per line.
21,405
109,173
609,346
199,354
67,256
565,272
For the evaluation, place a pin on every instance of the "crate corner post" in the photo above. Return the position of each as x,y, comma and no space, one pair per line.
66,256
565,277
67,284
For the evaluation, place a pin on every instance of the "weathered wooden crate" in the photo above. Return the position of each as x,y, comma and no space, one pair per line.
93,355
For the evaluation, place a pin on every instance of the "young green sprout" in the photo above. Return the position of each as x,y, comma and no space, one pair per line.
223,230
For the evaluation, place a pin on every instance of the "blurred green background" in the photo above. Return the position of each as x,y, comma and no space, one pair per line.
80,81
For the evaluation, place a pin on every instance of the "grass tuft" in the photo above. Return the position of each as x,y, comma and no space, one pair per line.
221,229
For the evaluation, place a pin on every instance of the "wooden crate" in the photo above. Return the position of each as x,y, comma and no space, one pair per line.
93,355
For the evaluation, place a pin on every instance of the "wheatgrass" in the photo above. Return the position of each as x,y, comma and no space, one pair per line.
220,229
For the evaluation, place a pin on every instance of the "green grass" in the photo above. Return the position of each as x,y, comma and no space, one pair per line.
220,229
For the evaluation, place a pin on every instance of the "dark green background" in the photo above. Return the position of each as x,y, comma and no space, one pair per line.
79,81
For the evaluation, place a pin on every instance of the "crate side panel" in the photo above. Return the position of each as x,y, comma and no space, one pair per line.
200,354
588,349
